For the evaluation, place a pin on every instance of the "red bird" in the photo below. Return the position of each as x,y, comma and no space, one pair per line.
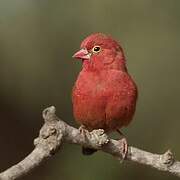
104,95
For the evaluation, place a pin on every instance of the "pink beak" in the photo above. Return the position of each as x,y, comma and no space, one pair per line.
82,54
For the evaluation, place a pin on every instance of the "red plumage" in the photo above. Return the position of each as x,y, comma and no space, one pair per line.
104,95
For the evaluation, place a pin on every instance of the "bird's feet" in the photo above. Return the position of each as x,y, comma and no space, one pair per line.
123,145
96,138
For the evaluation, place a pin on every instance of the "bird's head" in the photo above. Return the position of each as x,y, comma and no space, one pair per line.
99,51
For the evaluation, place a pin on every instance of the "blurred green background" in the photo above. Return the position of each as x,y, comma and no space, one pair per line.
37,40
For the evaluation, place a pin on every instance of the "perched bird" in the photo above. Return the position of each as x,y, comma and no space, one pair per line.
104,95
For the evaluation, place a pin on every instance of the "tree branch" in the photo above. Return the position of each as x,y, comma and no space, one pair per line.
55,131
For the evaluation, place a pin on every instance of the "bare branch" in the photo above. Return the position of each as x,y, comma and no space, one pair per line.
56,131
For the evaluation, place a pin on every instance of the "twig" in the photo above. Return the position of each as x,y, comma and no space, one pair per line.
56,131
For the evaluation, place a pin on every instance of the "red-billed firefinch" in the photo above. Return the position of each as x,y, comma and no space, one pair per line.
104,95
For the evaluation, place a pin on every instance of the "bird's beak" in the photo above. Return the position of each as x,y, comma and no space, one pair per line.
82,54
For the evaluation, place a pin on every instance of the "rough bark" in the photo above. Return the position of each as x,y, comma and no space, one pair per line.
55,131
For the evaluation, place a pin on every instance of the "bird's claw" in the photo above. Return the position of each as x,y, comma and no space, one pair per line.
96,138
99,137
123,148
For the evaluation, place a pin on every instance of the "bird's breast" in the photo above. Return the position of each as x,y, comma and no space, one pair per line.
99,99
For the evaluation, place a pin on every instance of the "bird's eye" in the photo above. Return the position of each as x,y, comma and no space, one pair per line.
96,49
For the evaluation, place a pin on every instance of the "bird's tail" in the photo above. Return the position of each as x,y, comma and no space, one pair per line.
88,151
